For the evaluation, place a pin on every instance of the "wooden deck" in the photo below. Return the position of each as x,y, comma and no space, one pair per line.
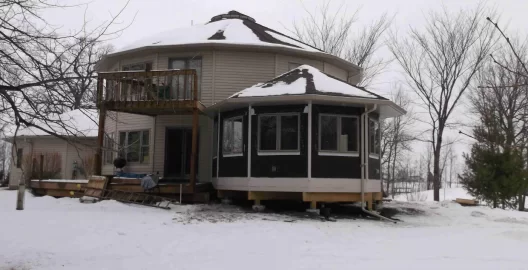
201,192
149,92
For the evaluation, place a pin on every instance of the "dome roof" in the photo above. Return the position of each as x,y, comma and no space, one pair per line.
230,28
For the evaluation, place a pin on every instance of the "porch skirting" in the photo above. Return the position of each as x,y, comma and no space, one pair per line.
295,184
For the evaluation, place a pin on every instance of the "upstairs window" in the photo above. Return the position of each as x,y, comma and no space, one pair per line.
134,146
338,134
279,132
374,138
232,138
144,66
182,85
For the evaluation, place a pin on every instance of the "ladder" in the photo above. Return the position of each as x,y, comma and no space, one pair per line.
130,197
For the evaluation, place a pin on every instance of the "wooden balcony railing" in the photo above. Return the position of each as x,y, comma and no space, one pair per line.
150,92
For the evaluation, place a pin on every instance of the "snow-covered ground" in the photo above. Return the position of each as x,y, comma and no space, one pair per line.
447,194
65,234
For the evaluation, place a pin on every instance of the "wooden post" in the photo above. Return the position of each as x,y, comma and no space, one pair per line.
100,135
20,195
313,205
41,167
194,148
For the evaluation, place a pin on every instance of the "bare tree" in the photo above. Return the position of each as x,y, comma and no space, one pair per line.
440,62
396,138
79,93
35,60
332,32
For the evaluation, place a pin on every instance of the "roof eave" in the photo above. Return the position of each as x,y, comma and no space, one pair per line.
351,67
288,99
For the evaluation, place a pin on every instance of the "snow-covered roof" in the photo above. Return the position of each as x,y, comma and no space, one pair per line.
230,28
306,79
80,123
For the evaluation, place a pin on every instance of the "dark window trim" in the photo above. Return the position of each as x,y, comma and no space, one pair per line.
232,154
339,128
278,150
146,63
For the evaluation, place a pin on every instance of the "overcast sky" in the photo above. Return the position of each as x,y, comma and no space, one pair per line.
147,17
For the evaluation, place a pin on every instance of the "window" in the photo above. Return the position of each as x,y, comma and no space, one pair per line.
279,132
179,83
134,146
20,154
338,134
109,145
292,65
144,66
374,138
215,139
232,139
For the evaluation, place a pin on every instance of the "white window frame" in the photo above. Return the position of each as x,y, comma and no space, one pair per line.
278,145
339,128
141,145
374,154
232,154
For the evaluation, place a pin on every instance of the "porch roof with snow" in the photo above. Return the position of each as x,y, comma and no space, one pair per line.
306,83
75,123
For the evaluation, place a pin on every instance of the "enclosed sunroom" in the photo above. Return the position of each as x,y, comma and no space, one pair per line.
302,135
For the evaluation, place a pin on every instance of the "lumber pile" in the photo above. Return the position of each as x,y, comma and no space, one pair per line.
466,202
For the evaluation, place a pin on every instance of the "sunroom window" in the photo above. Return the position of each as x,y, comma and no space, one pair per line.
232,137
134,146
279,132
374,138
338,134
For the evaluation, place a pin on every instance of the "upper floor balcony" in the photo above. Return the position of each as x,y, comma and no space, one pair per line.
153,92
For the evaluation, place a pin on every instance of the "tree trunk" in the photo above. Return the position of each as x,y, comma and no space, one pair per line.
521,202
436,162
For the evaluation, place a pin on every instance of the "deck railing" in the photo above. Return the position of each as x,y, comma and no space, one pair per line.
153,86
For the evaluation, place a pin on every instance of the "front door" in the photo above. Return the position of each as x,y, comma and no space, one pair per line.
178,146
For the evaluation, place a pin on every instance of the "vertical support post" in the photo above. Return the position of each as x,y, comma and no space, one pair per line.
194,148
218,147
309,140
41,167
313,205
249,143
100,134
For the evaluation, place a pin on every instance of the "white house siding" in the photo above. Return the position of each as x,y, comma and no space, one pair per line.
235,71
117,122
283,63
36,146
76,152
335,71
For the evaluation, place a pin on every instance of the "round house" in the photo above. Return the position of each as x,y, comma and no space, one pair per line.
239,108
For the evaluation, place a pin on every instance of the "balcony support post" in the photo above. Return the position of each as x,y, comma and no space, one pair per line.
101,131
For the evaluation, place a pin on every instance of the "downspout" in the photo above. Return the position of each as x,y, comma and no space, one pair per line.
365,161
